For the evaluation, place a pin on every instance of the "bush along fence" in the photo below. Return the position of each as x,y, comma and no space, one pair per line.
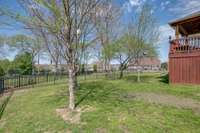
8,83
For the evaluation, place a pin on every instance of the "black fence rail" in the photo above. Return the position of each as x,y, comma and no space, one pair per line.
15,82
7,83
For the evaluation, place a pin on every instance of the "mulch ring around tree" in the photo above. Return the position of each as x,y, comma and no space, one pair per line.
73,117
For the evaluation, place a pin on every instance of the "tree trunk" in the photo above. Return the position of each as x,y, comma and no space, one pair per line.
72,87
33,65
121,74
121,68
138,76
55,72
76,81
105,66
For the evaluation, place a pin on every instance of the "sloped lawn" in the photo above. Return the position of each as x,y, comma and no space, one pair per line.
113,110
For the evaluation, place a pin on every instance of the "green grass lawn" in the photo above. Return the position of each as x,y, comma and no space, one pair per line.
34,110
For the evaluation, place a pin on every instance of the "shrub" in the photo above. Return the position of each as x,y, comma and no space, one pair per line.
2,73
95,67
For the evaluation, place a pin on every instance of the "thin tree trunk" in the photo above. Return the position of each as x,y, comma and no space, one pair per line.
105,66
76,81
121,74
32,63
76,77
138,75
121,68
72,87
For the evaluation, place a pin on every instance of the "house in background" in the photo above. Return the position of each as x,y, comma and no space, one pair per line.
184,54
146,64
50,68
101,66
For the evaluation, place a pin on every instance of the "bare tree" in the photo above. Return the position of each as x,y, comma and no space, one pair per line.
69,21
106,21
52,48
139,40
146,32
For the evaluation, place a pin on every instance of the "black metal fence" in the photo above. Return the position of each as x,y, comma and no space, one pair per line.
7,83
15,82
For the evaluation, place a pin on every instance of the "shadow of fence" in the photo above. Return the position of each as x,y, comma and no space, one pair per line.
4,103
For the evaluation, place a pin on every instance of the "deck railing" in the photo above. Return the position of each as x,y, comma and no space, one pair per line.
185,44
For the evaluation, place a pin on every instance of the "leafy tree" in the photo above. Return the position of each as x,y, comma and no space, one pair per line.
2,73
27,44
138,41
5,65
106,21
69,21
108,53
2,44
95,67
164,66
23,63
82,68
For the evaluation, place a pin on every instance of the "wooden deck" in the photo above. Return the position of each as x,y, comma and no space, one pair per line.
184,60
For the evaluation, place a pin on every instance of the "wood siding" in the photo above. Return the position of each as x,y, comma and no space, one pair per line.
184,67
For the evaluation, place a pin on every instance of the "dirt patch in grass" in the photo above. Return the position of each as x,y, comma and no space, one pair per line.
101,130
124,129
198,94
73,117
167,100
69,116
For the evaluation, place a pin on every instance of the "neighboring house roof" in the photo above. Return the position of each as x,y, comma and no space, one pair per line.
148,61
98,63
43,65
50,66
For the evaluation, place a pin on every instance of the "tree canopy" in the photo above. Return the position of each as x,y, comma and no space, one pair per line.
23,63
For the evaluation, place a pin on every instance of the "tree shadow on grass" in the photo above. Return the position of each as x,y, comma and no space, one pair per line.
164,78
99,91
84,97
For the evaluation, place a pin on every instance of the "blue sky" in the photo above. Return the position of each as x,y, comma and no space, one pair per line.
164,11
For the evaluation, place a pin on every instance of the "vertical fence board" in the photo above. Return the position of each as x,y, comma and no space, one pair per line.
184,67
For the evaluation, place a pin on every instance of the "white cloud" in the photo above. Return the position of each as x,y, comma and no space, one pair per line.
185,7
134,2
165,32
164,4
130,4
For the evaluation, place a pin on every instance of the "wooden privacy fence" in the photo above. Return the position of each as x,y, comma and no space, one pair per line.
184,61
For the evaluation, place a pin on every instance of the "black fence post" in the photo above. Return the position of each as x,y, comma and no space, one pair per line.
38,78
35,79
19,81
54,79
1,85
47,76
